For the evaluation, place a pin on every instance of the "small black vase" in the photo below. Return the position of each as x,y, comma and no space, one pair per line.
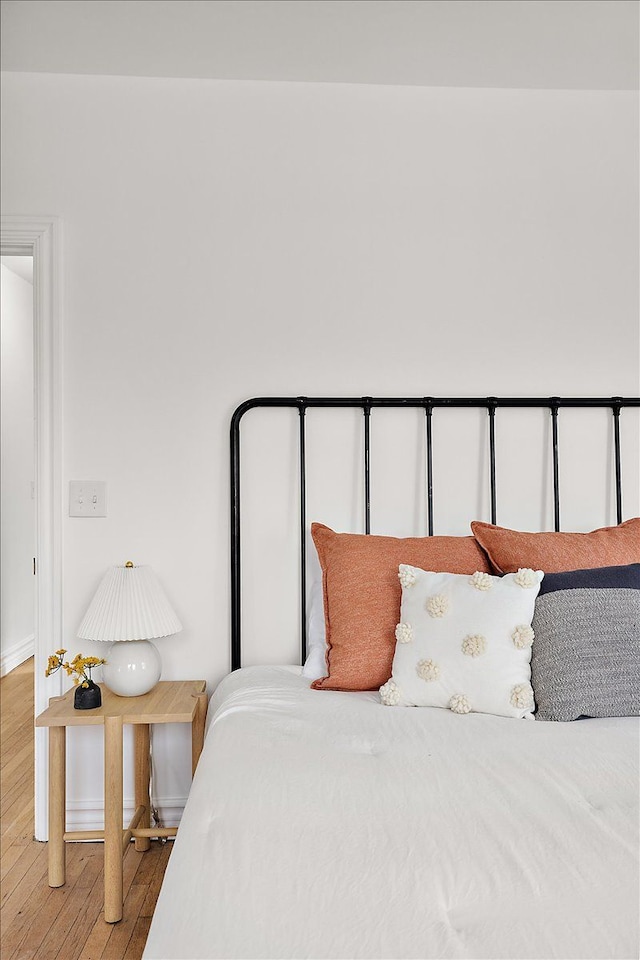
87,698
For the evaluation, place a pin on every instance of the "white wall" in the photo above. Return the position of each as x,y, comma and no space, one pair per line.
229,239
17,508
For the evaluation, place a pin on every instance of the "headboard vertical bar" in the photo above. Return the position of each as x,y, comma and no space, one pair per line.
556,469
236,654
491,406
616,447
367,463
429,413
303,529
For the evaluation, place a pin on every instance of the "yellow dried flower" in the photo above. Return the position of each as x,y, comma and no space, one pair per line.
80,666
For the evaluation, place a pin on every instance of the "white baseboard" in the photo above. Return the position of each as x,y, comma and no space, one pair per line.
16,654
89,814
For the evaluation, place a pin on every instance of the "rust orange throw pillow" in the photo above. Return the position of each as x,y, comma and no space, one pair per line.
362,596
555,552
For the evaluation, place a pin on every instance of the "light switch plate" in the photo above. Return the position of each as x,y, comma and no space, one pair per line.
87,498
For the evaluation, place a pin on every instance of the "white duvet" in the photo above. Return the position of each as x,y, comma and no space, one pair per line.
325,825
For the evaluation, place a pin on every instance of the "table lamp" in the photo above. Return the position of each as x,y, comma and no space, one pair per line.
129,609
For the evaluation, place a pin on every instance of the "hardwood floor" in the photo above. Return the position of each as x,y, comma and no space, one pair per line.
66,923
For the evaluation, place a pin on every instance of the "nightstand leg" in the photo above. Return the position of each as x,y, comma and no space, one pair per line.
142,777
57,805
113,825
197,730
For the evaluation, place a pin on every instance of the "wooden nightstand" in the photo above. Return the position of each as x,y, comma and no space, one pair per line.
171,701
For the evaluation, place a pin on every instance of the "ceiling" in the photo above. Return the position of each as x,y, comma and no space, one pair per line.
23,266
562,44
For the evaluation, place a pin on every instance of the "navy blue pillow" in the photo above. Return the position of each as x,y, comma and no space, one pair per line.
585,659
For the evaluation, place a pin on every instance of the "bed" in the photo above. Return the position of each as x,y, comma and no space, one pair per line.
322,824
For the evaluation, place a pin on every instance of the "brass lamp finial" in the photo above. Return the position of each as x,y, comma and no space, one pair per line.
129,564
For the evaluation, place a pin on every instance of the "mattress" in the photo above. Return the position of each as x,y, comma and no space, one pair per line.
325,825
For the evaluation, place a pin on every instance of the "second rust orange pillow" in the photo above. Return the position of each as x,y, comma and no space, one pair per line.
508,550
362,597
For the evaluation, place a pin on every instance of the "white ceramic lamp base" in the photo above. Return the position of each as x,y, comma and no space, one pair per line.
133,667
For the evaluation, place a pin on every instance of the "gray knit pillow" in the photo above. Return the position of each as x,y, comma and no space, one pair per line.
585,659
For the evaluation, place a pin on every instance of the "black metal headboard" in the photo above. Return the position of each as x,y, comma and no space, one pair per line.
428,404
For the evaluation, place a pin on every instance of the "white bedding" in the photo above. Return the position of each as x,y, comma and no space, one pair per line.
325,825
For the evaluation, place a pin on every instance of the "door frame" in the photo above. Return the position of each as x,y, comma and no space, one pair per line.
41,237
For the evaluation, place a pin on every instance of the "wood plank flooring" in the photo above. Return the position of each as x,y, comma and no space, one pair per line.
66,923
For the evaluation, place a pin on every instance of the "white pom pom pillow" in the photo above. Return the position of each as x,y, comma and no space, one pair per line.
464,642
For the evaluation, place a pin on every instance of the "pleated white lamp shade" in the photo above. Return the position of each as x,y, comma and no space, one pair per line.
129,604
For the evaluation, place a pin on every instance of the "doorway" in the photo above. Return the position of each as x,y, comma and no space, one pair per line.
40,239
17,509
